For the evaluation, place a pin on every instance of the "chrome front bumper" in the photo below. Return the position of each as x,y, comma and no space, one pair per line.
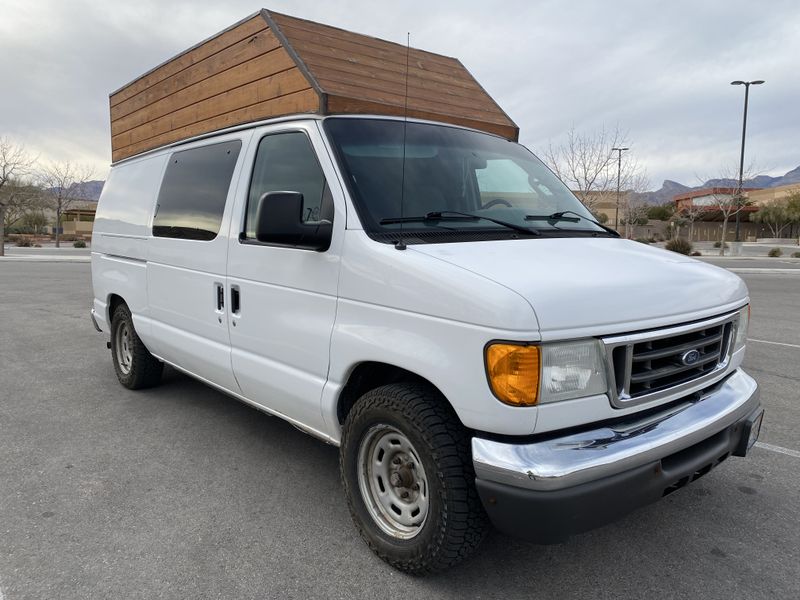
563,462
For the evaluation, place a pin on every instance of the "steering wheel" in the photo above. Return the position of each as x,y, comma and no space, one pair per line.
495,202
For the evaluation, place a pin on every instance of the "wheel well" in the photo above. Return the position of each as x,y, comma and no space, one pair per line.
368,376
113,302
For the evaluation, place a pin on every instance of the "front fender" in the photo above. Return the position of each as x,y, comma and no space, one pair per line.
447,353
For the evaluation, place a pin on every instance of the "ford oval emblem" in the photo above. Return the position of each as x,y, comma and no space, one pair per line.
690,357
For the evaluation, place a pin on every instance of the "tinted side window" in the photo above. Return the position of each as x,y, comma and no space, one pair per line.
192,196
285,162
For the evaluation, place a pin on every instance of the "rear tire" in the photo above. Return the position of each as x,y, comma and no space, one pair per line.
406,467
136,368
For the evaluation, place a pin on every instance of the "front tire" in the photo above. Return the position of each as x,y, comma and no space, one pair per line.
406,467
136,368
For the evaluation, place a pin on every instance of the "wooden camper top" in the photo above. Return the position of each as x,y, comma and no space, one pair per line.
270,65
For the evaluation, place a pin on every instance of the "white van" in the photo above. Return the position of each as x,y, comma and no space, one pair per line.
435,302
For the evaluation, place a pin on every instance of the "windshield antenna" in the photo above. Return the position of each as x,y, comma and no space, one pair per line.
401,245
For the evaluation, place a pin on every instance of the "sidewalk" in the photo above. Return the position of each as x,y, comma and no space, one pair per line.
46,254
748,250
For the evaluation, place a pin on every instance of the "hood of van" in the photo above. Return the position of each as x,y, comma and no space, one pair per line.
598,286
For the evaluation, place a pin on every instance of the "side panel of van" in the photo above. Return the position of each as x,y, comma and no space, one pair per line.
280,334
187,257
120,238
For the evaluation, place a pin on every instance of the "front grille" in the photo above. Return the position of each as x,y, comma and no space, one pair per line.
657,364
649,363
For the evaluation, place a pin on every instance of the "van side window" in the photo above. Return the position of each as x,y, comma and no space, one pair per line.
285,162
192,196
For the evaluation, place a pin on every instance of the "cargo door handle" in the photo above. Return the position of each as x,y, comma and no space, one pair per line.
220,296
236,301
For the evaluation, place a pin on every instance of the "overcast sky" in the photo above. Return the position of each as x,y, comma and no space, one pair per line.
661,70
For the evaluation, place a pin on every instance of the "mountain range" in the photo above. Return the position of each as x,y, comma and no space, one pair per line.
670,189
89,190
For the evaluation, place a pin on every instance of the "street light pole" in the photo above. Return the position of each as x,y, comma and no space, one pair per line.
619,152
746,85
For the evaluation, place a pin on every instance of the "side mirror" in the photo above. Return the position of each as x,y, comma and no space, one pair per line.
279,220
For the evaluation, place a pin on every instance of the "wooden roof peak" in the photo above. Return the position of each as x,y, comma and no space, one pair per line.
271,64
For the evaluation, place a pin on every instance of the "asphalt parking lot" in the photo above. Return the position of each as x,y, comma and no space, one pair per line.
180,492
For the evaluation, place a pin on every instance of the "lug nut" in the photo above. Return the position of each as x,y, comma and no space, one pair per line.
415,487
396,460
404,494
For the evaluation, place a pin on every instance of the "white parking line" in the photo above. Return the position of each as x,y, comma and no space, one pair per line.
774,343
765,446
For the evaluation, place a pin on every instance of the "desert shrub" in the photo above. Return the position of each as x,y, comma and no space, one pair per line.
696,253
775,253
23,243
644,240
795,254
79,244
680,246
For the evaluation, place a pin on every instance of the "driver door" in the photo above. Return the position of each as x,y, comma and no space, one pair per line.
283,300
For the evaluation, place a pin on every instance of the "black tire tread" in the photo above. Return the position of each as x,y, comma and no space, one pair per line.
146,369
464,523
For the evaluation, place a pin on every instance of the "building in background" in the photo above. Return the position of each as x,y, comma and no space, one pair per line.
78,220
703,208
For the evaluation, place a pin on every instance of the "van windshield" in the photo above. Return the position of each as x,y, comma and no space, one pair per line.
456,182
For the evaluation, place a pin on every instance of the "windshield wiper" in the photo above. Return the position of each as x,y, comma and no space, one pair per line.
562,216
454,215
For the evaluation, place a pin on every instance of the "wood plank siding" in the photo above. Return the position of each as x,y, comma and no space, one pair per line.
271,65
366,75
242,74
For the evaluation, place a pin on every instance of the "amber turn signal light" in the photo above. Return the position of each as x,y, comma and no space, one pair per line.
513,372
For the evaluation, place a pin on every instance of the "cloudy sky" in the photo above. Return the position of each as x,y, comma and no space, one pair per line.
661,70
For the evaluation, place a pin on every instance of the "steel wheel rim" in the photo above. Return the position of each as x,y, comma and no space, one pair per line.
392,481
124,350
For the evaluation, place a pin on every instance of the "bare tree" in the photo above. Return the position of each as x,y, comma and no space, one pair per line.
15,163
633,208
586,163
62,183
18,199
729,201
634,212
690,214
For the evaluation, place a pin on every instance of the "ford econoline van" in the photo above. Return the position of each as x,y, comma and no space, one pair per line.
432,300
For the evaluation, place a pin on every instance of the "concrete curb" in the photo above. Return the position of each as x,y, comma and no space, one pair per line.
759,270
46,258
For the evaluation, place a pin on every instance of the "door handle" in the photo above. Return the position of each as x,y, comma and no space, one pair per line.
220,296
236,300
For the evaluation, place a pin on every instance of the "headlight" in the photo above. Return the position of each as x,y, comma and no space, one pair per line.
572,370
742,326
513,373
524,375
